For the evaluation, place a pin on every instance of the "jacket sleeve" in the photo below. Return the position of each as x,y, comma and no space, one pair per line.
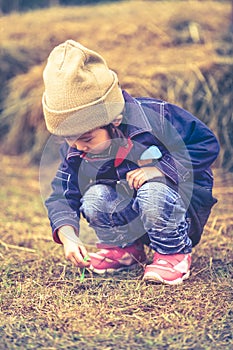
189,146
64,202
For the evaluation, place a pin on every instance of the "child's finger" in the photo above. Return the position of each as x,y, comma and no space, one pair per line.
135,178
139,180
130,177
79,261
86,258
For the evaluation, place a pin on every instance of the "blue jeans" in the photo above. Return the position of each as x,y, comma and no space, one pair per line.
119,218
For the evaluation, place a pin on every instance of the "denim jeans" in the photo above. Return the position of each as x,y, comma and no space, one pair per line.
119,218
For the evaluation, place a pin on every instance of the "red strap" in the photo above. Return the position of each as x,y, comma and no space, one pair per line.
122,152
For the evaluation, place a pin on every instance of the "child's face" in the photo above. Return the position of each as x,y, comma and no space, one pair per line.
94,141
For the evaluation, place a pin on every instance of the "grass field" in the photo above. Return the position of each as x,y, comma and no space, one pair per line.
180,51
155,51
43,304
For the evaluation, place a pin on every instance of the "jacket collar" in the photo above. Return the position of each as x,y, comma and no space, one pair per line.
135,116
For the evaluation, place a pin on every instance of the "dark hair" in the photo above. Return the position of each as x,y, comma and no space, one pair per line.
115,133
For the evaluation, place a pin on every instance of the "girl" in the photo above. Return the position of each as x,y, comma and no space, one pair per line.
138,170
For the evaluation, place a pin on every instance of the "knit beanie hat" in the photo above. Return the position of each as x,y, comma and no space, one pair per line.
81,92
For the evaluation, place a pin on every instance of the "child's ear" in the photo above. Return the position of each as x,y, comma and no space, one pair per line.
117,121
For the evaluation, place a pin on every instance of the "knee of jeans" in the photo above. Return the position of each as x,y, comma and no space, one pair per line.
153,198
96,199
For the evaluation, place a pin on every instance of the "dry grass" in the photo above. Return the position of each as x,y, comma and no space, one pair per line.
44,305
155,51
180,51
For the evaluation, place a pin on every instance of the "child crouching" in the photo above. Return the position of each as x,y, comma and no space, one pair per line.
136,168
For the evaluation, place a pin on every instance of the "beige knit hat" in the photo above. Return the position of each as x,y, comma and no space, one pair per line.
81,92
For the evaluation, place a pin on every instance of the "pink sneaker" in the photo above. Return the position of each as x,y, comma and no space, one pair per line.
113,259
168,269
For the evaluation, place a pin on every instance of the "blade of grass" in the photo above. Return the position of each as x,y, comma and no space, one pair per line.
83,271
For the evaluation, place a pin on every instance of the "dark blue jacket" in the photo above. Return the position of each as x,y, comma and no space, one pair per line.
186,150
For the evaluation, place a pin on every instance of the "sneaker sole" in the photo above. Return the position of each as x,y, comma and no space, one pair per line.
154,277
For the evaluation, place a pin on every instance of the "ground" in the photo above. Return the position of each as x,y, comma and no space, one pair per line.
44,305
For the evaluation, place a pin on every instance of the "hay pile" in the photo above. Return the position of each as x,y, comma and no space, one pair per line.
161,49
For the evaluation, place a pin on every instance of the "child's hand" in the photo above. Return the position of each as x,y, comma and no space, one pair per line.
75,252
137,177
